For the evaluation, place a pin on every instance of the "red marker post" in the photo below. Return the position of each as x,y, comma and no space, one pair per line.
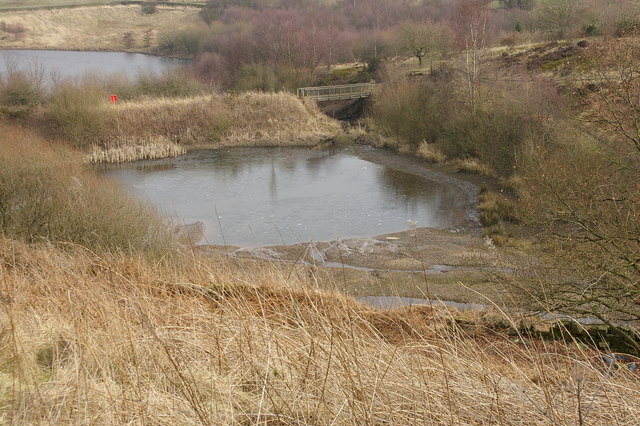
113,98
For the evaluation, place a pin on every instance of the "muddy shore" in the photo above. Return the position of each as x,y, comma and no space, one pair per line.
453,263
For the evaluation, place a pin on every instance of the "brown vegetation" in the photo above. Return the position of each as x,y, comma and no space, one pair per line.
46,195
92,27
429,152
115,339
259,119
591,202
161,118
105,337
127,151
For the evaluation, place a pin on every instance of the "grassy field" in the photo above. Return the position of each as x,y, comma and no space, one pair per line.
91,28
114,339
55,3
48,3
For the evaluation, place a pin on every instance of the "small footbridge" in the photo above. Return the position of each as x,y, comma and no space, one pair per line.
336,93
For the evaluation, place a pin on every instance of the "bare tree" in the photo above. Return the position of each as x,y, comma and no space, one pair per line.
472,27
587,192
557,16
424,40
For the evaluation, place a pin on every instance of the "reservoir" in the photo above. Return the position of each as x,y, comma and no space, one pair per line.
51,65
272,196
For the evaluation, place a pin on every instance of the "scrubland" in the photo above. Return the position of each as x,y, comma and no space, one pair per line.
47,195
107,319
97,328
106,338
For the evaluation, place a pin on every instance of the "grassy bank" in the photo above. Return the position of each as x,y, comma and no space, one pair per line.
158,116
162,127
114,339
113,27
46,195
267,119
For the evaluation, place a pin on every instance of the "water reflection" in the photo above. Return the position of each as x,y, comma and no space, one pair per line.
408,195
263,196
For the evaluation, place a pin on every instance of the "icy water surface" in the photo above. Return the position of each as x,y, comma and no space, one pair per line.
272,196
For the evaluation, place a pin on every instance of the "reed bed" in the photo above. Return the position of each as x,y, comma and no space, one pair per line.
119,339
131,151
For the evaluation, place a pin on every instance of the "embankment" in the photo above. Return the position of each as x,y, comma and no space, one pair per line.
162,127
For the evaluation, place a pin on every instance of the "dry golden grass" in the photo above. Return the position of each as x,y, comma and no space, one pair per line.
248,119
55,3
115,338
131,151
92,28
431,153
473,165
48,3
160,127
112,339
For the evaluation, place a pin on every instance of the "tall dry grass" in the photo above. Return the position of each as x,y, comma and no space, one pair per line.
250,118
156,119
156,127
47,195
114,339
125,151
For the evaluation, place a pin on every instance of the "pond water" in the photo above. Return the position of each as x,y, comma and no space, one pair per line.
55,64
272,196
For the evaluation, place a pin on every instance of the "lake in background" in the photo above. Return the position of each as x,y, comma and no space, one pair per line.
56,64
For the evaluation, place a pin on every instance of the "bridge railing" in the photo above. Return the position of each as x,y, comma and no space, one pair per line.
332,93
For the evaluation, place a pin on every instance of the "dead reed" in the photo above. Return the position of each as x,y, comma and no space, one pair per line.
131,151
473,165
116,339
430,153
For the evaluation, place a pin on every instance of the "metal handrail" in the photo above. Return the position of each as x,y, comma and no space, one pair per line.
337,92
